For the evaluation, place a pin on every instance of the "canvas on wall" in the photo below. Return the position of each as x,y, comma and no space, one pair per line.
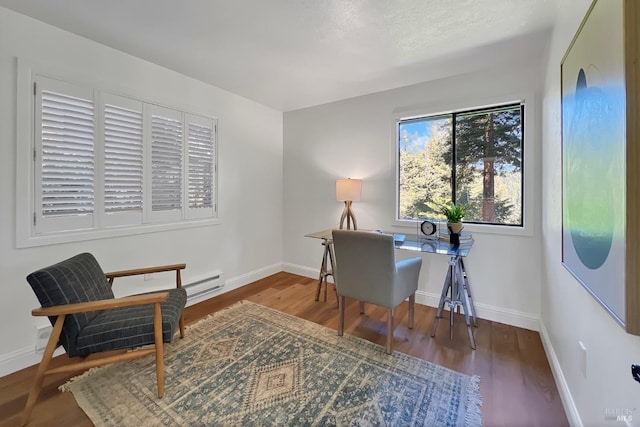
593,156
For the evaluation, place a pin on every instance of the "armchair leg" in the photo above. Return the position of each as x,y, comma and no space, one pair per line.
157,329
341,301
181,324
389,329
179,285
412,309
42,369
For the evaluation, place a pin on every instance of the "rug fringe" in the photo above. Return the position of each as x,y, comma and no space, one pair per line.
473,403
67,385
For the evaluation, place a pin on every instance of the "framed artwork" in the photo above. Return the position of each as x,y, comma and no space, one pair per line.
599,159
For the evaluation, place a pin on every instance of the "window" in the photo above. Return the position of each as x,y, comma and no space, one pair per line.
474,158
103,160
64,150
123,160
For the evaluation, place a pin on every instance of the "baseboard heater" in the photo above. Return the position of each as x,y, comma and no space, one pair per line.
200,289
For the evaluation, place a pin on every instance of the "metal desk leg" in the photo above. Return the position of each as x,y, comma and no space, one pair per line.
443,297
327,257
456,285
332,258
474,318
461,299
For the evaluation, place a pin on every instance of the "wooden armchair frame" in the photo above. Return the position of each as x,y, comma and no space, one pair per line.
61,311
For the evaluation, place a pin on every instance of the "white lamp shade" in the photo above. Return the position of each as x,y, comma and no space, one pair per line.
348,189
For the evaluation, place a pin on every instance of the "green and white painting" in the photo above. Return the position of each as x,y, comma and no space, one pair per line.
593,156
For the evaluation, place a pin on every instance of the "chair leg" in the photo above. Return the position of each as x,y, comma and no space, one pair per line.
389,329
412,309
341,301
361,307
181,324
179,285
157,329
52,344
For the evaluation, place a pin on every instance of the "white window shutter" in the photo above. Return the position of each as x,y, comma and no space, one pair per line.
166,164
201,168
64,156
123,160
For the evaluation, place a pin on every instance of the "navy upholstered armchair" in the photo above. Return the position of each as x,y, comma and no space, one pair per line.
366,270
76,295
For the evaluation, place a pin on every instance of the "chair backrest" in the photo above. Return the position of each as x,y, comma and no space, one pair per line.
365,266
77,279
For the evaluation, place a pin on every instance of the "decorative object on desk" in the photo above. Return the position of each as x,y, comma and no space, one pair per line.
445,236
454,214
428,228
347,191
252,365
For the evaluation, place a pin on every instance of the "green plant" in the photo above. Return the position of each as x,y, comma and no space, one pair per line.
453,212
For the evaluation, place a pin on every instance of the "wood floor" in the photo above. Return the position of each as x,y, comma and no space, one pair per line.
516,384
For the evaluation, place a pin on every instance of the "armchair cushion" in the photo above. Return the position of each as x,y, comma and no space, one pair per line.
77,279
129,327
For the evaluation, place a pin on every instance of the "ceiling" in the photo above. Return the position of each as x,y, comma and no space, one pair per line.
291,54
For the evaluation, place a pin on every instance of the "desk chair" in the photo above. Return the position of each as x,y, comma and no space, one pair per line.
366,270
76,295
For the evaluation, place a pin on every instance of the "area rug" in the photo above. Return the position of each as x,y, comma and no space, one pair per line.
250,365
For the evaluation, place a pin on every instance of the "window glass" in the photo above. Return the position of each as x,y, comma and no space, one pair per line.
474,158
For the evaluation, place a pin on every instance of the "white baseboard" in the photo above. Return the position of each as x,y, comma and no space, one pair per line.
238,282
300,270
570,408
484,311
27,356
488,312
22,358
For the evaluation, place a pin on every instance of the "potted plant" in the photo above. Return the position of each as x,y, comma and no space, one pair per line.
454,214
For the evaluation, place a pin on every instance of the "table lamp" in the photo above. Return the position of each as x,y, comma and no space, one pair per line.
347,191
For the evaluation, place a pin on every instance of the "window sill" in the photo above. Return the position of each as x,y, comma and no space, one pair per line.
84,235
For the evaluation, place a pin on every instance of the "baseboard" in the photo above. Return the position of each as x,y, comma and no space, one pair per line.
570,408
303,271
252,276
484,311
22,358
25,357
488,312
237,282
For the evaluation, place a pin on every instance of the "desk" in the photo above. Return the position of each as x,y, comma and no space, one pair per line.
456,290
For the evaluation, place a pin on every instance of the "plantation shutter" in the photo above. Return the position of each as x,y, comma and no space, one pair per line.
201,148
123,160
166,163
64,156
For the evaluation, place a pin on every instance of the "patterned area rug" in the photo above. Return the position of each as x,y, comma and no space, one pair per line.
250,365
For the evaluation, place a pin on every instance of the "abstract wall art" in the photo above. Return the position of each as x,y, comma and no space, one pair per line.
596,159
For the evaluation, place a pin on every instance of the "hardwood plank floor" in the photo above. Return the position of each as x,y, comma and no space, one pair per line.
516,384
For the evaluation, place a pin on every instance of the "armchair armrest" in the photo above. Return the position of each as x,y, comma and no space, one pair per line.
147,270
83,307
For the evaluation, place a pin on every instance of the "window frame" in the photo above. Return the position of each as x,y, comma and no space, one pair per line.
26,133
529,153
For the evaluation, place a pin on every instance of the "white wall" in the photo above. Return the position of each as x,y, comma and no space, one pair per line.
246,245
356,138
568,312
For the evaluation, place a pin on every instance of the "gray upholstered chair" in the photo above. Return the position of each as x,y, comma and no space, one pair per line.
366,270
76,295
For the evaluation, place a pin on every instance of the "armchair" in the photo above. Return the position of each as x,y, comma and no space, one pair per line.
367,271
76,295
